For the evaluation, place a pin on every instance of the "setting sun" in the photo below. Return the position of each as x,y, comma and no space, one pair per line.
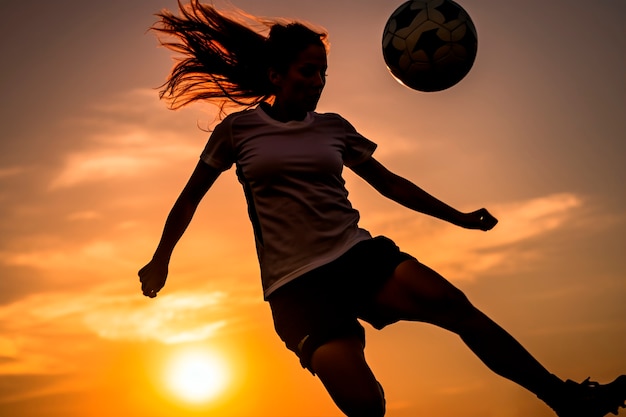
197,376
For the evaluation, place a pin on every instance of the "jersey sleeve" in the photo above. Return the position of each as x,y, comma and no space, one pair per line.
358,147
219,151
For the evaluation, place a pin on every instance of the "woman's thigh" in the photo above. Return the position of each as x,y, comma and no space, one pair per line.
415,292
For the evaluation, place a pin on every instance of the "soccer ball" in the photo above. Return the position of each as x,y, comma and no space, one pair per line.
429,45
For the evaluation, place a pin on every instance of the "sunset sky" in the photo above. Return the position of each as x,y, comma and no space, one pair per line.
91,162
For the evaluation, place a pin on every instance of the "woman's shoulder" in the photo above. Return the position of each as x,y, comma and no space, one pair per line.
336,120
238,114
235,118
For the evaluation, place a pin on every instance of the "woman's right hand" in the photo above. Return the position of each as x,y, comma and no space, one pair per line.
153,277
479,219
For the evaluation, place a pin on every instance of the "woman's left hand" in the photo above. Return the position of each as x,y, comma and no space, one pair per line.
479,219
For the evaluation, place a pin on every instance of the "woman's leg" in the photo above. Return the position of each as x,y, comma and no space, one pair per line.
340,364
417,293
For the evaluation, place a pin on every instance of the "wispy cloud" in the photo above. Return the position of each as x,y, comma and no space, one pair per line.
51,257
123,159
170,319
10,172
133,136
465,254
174,318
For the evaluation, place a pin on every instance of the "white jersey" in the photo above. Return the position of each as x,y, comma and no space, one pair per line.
292,178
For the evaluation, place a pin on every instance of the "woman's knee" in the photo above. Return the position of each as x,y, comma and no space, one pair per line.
341,366
455,300
456,313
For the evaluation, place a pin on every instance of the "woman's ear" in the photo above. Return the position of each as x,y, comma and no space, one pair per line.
275,77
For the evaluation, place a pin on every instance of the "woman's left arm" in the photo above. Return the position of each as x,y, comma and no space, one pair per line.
410,195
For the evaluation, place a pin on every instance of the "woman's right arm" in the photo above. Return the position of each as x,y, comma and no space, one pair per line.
154,274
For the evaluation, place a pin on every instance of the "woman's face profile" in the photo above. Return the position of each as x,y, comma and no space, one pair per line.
300,87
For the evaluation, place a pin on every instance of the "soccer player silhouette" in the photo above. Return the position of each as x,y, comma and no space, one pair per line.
320,271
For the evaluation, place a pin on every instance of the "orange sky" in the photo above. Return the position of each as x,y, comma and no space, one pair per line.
91,162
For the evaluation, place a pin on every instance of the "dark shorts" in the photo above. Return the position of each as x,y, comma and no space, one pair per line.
324,304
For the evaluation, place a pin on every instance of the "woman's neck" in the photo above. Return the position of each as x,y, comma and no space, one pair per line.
284,113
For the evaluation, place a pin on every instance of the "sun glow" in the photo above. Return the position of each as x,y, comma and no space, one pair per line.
198,376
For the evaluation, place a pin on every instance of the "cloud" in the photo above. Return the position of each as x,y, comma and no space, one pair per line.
170,319
132,136
174,318
11,172
534,217
124,158
465,254
59,257
26,329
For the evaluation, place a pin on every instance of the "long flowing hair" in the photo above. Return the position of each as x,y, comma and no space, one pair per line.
225,60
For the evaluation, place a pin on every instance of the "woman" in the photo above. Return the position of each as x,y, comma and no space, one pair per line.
320,271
